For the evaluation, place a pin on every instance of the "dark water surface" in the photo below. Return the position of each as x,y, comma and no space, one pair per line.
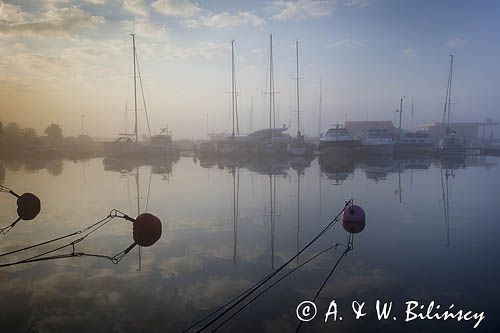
432,234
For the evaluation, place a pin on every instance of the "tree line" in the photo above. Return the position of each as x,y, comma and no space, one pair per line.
15,139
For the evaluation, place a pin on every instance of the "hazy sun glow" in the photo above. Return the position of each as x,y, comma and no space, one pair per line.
63,59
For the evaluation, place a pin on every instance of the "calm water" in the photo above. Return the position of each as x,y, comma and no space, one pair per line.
226,224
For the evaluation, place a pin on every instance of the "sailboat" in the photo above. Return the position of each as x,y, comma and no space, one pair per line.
234,144
128,143
450,144
298,147
271,141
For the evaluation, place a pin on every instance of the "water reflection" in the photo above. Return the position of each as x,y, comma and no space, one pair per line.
162,166
231,222
337,170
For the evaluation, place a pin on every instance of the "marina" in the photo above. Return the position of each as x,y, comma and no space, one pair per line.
249,166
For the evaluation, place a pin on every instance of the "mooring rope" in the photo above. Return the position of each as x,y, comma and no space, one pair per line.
6,229
275,283
87,231
238,299
349,248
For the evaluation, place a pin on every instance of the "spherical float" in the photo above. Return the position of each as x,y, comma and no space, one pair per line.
354,227
353,219
146,229
28,206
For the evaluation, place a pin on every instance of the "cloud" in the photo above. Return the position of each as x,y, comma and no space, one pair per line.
357,3
226,20
87,62
96,2
207,294
301,9
11,14
136,7
178,8
409,52
176,266
347,43
55,21
456,43
145,28
207,51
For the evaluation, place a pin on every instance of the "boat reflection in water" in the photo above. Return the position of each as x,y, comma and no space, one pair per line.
228,230
264,165
377,168
336,169
127,164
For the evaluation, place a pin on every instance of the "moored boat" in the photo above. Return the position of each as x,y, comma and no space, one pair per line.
338,141
298,147
450,144
377,142
413,142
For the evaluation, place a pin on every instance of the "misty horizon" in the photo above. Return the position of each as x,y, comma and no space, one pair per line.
62,60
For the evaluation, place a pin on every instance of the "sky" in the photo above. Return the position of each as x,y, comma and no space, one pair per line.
64,59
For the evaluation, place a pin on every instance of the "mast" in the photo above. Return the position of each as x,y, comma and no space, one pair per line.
447,102
208,136
449,93
320,105
232,85
400,113
135,89
251,115
298,97
270,82
412,112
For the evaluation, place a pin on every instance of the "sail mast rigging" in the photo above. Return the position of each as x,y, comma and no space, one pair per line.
298,94
232,85
135,89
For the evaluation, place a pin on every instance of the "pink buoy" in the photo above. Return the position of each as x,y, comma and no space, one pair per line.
353,219
146,229
28,206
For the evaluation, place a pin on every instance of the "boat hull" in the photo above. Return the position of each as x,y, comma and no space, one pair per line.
402,148
377,149
451,150
351,145
118,148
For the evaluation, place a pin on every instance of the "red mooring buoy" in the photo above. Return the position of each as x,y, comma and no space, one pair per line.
28,206
146,229
353,219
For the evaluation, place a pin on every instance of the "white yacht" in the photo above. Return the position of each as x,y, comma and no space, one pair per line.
378,141
338,140
411,142
451,145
